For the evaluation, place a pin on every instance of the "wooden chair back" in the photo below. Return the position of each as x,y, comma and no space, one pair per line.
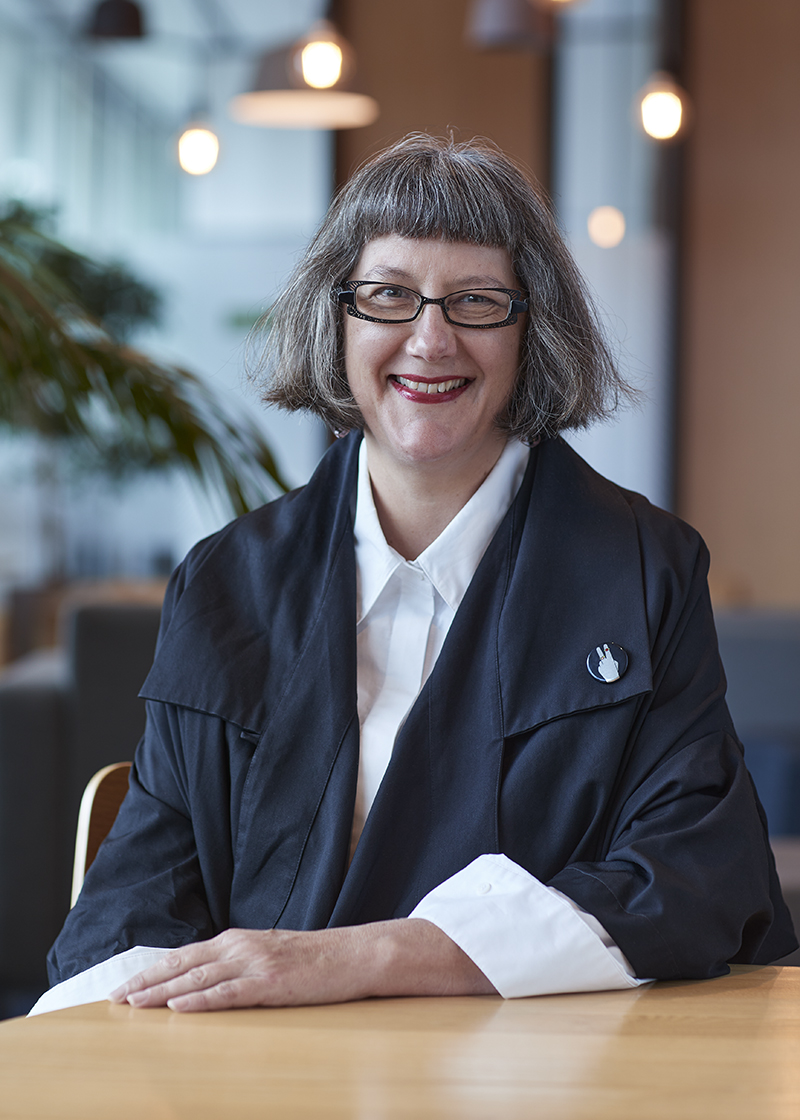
99,807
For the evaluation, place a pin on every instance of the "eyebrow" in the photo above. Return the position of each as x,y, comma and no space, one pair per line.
387,272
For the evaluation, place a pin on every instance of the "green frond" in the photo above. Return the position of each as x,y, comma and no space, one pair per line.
65,375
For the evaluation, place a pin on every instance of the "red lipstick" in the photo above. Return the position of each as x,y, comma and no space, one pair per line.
429,390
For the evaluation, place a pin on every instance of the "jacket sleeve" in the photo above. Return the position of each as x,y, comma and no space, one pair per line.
145,886
686,879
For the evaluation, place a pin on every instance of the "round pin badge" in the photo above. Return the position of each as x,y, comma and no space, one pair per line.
607,662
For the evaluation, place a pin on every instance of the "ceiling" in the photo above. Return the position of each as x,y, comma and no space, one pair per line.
195,50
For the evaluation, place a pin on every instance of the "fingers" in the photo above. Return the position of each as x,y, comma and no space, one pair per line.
195,981
175,964
230,993
225,971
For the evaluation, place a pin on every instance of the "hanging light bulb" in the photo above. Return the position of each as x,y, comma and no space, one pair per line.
663,107
198,149
321,63
306,85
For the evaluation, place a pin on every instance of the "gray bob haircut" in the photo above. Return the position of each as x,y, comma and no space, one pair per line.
426,187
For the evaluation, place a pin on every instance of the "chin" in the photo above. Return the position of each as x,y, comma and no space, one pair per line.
420,442
439,447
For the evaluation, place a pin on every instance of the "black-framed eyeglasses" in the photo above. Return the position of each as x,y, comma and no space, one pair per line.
479,308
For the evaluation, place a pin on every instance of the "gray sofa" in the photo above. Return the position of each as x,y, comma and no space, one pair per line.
63,714
761,653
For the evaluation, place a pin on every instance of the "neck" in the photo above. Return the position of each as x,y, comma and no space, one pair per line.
415,502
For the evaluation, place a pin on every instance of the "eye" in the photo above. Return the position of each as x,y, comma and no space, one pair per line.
387,293
386,301
478,306
478,298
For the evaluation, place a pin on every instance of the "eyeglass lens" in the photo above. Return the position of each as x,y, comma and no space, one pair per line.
470,308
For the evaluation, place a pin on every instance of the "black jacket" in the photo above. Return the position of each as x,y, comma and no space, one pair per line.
631,797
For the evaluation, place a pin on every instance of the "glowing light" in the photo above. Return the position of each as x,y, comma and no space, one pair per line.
304,108
321,63
661,114
606,225
663,107
198,150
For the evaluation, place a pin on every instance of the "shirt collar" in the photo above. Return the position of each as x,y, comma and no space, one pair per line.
452,559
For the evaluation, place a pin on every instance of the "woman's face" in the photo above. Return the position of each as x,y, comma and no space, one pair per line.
390,366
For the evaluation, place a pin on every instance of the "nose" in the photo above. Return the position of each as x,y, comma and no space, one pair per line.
432,337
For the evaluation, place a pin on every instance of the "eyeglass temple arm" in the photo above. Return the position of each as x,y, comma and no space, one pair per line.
344,295
518,306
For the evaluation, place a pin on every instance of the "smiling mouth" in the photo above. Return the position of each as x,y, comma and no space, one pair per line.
432,387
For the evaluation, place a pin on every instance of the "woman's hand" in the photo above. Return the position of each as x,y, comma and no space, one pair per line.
272,968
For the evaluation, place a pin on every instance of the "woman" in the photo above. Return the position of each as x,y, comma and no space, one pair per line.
458,637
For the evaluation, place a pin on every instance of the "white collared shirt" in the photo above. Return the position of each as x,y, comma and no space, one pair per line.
528,939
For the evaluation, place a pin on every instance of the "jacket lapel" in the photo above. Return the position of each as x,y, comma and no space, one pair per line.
253,596
575,583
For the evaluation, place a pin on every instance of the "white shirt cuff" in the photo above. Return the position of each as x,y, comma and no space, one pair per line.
526,938
96,982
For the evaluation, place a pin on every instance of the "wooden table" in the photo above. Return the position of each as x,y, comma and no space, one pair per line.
706,1049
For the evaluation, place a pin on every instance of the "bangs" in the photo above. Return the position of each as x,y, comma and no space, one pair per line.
451,195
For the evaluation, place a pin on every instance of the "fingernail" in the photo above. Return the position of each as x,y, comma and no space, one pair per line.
137,997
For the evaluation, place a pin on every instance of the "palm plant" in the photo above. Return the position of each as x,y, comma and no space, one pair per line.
67,373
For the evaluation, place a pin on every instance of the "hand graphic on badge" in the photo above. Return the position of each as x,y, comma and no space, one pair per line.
607,667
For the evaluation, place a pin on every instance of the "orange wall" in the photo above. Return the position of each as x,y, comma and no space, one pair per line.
739,437
413,59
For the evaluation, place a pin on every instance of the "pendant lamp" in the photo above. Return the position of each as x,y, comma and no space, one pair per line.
514,25
307,84
116,19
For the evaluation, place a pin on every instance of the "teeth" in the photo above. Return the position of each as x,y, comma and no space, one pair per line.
432,387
